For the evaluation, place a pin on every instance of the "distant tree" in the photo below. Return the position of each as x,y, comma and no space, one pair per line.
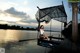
6,26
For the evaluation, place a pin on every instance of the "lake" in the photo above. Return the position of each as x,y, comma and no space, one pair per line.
9,40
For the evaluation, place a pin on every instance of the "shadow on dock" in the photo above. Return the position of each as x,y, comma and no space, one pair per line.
63,50
27,40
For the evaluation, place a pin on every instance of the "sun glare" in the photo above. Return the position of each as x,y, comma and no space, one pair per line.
9,18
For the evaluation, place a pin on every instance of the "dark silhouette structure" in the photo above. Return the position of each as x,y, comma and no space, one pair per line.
67,33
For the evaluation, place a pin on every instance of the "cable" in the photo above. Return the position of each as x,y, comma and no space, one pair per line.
50,27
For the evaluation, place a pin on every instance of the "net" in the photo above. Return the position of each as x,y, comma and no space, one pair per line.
56,12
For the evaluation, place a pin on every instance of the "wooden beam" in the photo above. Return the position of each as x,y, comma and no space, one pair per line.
74,21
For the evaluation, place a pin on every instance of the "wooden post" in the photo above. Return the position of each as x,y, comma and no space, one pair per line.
38,41
39,18
74,21
74,25
38,21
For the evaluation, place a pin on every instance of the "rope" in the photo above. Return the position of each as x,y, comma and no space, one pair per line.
61,28
50,27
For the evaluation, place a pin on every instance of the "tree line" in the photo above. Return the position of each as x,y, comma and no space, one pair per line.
15,27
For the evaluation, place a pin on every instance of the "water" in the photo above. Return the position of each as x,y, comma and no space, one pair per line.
9,40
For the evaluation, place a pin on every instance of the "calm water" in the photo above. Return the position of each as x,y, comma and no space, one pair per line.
9,40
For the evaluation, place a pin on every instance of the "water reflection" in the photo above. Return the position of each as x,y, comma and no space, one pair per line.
12,35
16,35
2,35
26,47
9,40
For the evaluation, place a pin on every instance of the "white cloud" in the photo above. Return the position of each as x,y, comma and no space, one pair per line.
24,9
13,17
21,23
3,22
14,13
7,17
27,24
4,6
25,3
20,7
12,4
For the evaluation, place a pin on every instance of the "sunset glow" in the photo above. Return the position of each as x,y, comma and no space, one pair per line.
8,18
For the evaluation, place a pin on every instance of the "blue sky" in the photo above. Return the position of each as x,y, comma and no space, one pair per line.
22,12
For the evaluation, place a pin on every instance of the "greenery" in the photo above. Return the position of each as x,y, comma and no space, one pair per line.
73,1
5,26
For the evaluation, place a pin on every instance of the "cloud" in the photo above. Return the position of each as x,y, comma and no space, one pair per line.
12,4
14,17
29,21
13,12
26,24
3,22
25,3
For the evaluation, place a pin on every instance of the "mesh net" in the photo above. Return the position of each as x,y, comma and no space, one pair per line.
56,13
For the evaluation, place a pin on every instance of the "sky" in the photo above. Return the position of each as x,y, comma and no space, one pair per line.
22,12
